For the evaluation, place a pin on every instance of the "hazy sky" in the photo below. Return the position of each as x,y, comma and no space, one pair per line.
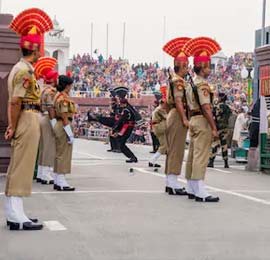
231,22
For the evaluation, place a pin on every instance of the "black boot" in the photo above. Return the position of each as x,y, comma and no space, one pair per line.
211,163
132,160
226,165
91,117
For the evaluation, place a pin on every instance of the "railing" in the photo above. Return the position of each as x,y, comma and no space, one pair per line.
96,134
104,94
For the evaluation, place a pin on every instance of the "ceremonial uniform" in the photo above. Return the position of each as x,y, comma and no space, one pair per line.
124,128
202,125
155,141
43,69
23,117
176,132
63,104
176,125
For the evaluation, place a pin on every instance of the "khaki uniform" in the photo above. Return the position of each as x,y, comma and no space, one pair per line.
24,145
47,139
159,127
62,104
175,131
200,133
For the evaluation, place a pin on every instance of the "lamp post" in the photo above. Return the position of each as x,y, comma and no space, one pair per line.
246,74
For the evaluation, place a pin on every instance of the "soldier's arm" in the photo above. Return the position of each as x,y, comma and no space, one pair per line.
180,108
52,113
14,111
207,111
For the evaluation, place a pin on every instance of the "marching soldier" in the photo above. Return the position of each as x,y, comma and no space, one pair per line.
159,127
177,121
23,116
123,129
63,130
155,141
221,113
202,125
46,158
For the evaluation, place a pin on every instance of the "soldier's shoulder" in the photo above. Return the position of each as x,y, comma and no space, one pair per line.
178,82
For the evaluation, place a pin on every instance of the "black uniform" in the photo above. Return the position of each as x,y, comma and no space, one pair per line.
124,128
254,128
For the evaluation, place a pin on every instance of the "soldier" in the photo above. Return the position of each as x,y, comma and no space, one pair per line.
46,158
202,126
155,141
63,130
177,122
221,113
123,129
23,115
159,127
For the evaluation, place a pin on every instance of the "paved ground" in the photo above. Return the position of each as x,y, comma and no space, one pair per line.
114,215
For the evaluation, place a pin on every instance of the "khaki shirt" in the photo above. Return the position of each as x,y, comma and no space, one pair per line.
159,115
22,82
63,104
203,88
47,97
179,85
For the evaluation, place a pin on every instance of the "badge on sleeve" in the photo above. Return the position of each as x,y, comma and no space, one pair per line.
206,92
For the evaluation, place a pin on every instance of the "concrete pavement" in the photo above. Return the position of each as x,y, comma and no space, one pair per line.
115,215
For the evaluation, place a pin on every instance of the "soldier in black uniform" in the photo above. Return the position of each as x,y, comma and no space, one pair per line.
123,129
155,141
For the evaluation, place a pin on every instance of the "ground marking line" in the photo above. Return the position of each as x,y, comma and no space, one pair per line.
96,191
219,170
237,194
90,155
54,225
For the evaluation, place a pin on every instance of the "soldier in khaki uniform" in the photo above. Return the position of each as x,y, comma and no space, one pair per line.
202,125
177,122
64,137
23,116
46,158
159,127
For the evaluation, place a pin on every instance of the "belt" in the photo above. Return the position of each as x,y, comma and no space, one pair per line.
195,113
130,123
31,107
155,123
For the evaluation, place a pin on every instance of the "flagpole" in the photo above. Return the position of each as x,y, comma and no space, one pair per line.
263,23
107,41
0,6
124,41
92,31
163,40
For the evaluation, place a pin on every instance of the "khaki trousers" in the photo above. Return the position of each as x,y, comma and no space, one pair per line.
199,148
176,141
47,143
159,131
24,148
62,164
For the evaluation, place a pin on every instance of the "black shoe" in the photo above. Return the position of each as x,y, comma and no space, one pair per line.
34,220
110,150
191,196
55,187
226,165
25,226
211,163
132,160
91,117
180,192
152,152
167,189
44,182
154,165
207,199
67,188
117,151
38,180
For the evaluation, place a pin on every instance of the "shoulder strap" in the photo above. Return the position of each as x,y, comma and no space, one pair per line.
195,91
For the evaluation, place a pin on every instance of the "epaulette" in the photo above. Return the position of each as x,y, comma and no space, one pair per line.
178,82
23,76
203,84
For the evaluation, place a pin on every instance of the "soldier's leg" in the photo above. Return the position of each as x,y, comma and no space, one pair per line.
224,147
124,149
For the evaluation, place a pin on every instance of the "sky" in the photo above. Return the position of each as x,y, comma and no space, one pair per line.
231,22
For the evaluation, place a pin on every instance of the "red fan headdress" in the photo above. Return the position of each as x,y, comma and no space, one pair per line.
43,66
31,25
201,48
175,49
163,90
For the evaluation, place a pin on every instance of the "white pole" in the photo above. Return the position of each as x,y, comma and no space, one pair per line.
163,40
107,41
263,23
0,6
124,41
92,27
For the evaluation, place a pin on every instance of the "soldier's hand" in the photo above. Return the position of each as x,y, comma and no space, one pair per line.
215,134
115,135
9,133
186,123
